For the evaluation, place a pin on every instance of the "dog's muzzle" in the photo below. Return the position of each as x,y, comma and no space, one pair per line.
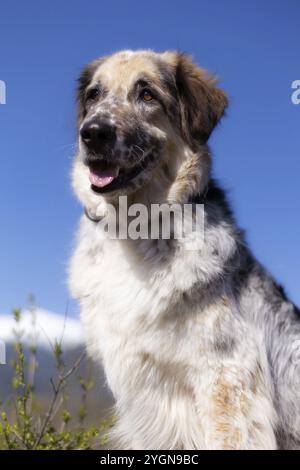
107,172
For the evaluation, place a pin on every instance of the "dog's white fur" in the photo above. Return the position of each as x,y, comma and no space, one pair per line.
124,301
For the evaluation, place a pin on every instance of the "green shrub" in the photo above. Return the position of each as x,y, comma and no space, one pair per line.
25,425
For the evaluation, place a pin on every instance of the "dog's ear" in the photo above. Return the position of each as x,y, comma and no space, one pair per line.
83,82
202,103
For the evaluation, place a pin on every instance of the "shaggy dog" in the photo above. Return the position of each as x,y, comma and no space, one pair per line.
199,346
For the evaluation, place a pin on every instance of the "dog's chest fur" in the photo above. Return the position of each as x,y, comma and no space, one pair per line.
153,322
128,293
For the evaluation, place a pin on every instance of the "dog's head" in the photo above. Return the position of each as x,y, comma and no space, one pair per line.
138,113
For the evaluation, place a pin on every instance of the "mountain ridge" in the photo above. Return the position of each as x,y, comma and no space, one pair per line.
42,328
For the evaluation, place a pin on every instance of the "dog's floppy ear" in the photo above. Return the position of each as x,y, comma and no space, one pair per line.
83,82
202,103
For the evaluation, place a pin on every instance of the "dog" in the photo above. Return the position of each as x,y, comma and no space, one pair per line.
199,346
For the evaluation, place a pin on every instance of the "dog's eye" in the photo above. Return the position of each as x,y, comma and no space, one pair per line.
147,95
92,94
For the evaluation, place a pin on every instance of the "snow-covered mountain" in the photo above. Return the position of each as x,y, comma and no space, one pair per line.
42,328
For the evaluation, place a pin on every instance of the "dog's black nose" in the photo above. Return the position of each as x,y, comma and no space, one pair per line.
96,135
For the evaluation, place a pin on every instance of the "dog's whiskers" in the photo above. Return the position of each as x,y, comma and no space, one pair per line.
141,157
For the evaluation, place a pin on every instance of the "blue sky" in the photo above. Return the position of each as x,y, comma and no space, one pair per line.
253,47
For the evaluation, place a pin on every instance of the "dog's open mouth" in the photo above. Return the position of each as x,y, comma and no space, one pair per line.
102,176
105,177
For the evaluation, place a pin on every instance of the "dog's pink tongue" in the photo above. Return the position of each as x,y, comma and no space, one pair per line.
101,178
